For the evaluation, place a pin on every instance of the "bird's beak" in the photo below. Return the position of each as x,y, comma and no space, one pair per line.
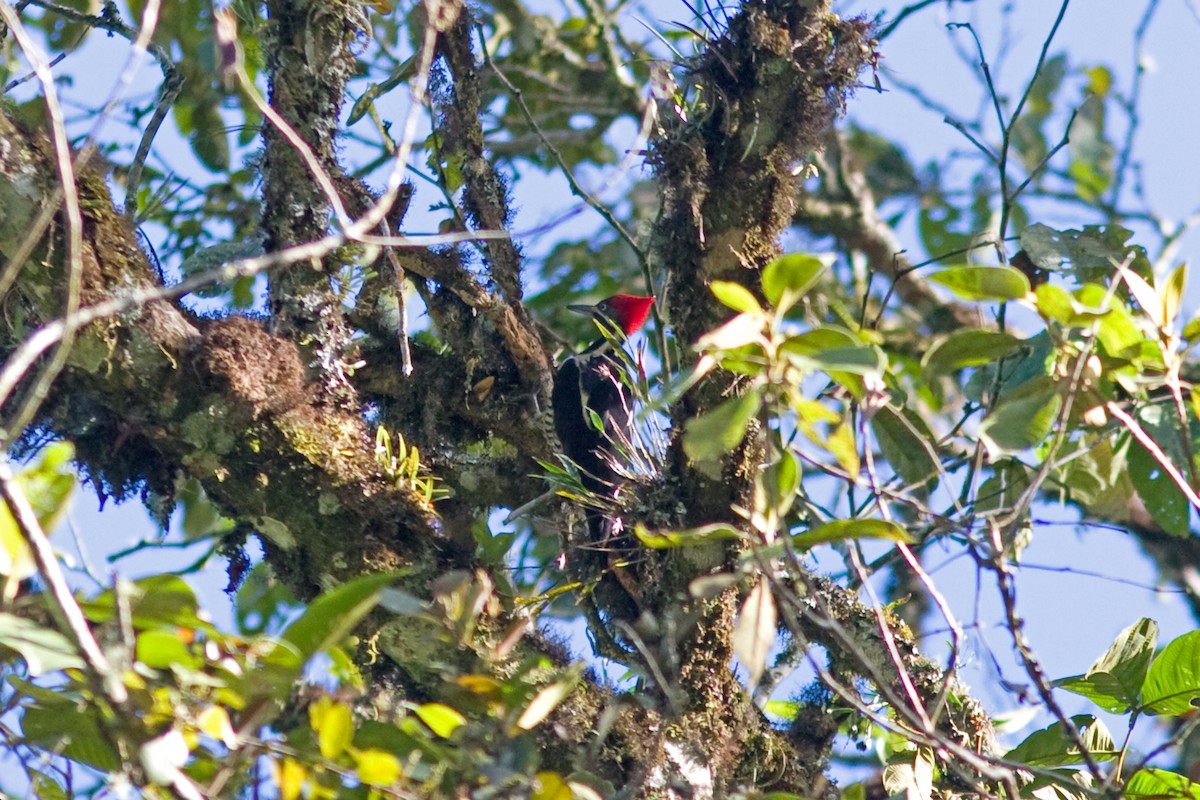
581,308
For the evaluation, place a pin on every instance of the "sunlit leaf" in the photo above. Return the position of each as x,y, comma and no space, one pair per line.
377,767
708,437
43,649
1021,419
1172,294
290,776
215,722
663,540
788,278
1114,682
742,330
905,445
910,774
47,485
551,786
737,297
967,348
1172,684
1053,746
841,530
332,616
983,283
1150,783
441,719
163,648
333,724
543,703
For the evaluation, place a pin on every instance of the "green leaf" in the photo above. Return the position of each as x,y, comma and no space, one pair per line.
1115,681
832,349
46,788
843,529
710,436
906,446
156,602
786,710
1022,419
940,225
782,481
1052,746
209,141
665,540
1164,500
1191,331
1172,685
754,631
65,729
49,482
819,340
44,650
1116,330
332,616
441,719
1172,294
786,279
200,516
1054,302
162,649
983,283
1156,784
737,297
1061,784
967,348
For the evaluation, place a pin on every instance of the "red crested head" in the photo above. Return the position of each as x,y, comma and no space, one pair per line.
627,311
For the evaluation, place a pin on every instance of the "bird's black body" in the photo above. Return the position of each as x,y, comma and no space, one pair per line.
591,387
593,407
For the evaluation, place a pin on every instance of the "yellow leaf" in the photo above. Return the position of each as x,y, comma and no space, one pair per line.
441,719
47,484
214,721
550,786
843,447
333,724
16,560
377,767
479,684
1172,293
290,776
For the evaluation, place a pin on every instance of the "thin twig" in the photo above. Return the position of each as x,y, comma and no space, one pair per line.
1163,460
71,210
587,197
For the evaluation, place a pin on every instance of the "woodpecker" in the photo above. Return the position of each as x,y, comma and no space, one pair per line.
591,387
